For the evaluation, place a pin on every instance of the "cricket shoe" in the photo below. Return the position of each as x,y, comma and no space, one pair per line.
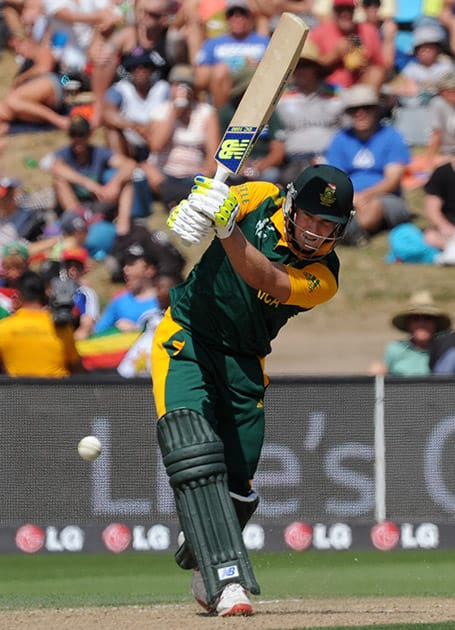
234,602
199,592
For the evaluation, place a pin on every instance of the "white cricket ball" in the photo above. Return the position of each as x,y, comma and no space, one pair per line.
89,448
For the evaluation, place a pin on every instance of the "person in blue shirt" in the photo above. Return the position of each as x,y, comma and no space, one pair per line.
221,57
128,310
375,158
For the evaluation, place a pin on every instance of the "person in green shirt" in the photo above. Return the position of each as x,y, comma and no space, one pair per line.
422,320
272,256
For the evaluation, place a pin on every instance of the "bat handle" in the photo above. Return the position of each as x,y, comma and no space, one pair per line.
221,173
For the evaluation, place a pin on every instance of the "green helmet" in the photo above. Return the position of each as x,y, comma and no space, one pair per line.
326,192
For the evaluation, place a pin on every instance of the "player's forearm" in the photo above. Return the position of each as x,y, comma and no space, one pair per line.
255,268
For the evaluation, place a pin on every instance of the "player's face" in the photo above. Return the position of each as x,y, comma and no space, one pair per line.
311,232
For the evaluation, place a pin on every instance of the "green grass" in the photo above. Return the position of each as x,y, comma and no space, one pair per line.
104,580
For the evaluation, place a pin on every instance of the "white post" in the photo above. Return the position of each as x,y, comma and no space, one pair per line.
379,447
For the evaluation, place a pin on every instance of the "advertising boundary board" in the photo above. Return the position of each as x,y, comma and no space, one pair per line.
348,463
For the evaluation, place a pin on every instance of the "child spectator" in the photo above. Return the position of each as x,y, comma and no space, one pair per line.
86,300
139,300
136,362
15,262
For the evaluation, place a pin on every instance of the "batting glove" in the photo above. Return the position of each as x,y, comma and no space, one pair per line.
215,200
189,224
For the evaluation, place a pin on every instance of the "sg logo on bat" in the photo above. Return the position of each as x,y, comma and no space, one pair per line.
235,146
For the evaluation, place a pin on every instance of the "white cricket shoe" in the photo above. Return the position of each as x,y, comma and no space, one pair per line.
234,602
199,592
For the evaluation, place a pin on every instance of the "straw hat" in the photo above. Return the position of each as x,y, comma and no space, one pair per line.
421,303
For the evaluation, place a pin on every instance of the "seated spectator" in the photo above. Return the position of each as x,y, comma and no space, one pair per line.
442,354
37,93
93,176
14,262
310,118
31,344
221,57
86,300
439,206
149,30
417,83
422,320
170,259
136,361
125,310
13,218
267,156
375,157
199,20
382,18
184,134
441,114
129,104
351,52
71,28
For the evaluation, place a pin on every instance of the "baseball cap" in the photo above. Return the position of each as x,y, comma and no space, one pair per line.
79,125
360,95
78,254
72,222
182,73
138,250
237,4
326,191
15,248
139,56
427,34
6,184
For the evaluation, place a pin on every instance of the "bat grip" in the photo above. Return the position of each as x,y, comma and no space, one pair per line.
221,173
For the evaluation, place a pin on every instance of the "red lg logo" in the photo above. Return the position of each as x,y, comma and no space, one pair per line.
385,536
298,536
116,537
30,538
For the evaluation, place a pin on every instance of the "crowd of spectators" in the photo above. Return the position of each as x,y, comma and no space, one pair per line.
161,79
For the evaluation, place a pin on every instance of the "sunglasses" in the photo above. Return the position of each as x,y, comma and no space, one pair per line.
154,14
78,134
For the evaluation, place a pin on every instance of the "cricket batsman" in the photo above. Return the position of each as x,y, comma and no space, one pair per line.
272,257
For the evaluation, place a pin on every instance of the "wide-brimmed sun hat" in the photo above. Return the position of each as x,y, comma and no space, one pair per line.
421,304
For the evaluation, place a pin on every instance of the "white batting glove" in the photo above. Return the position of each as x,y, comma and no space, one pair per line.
189,224
215,200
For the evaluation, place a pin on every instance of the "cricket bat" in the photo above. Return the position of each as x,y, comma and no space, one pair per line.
263,93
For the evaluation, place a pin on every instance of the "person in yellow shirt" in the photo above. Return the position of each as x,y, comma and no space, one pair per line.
31,344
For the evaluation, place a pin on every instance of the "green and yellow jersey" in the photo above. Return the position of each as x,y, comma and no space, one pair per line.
227,314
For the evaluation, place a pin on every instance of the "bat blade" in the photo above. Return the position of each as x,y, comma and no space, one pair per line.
263,93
